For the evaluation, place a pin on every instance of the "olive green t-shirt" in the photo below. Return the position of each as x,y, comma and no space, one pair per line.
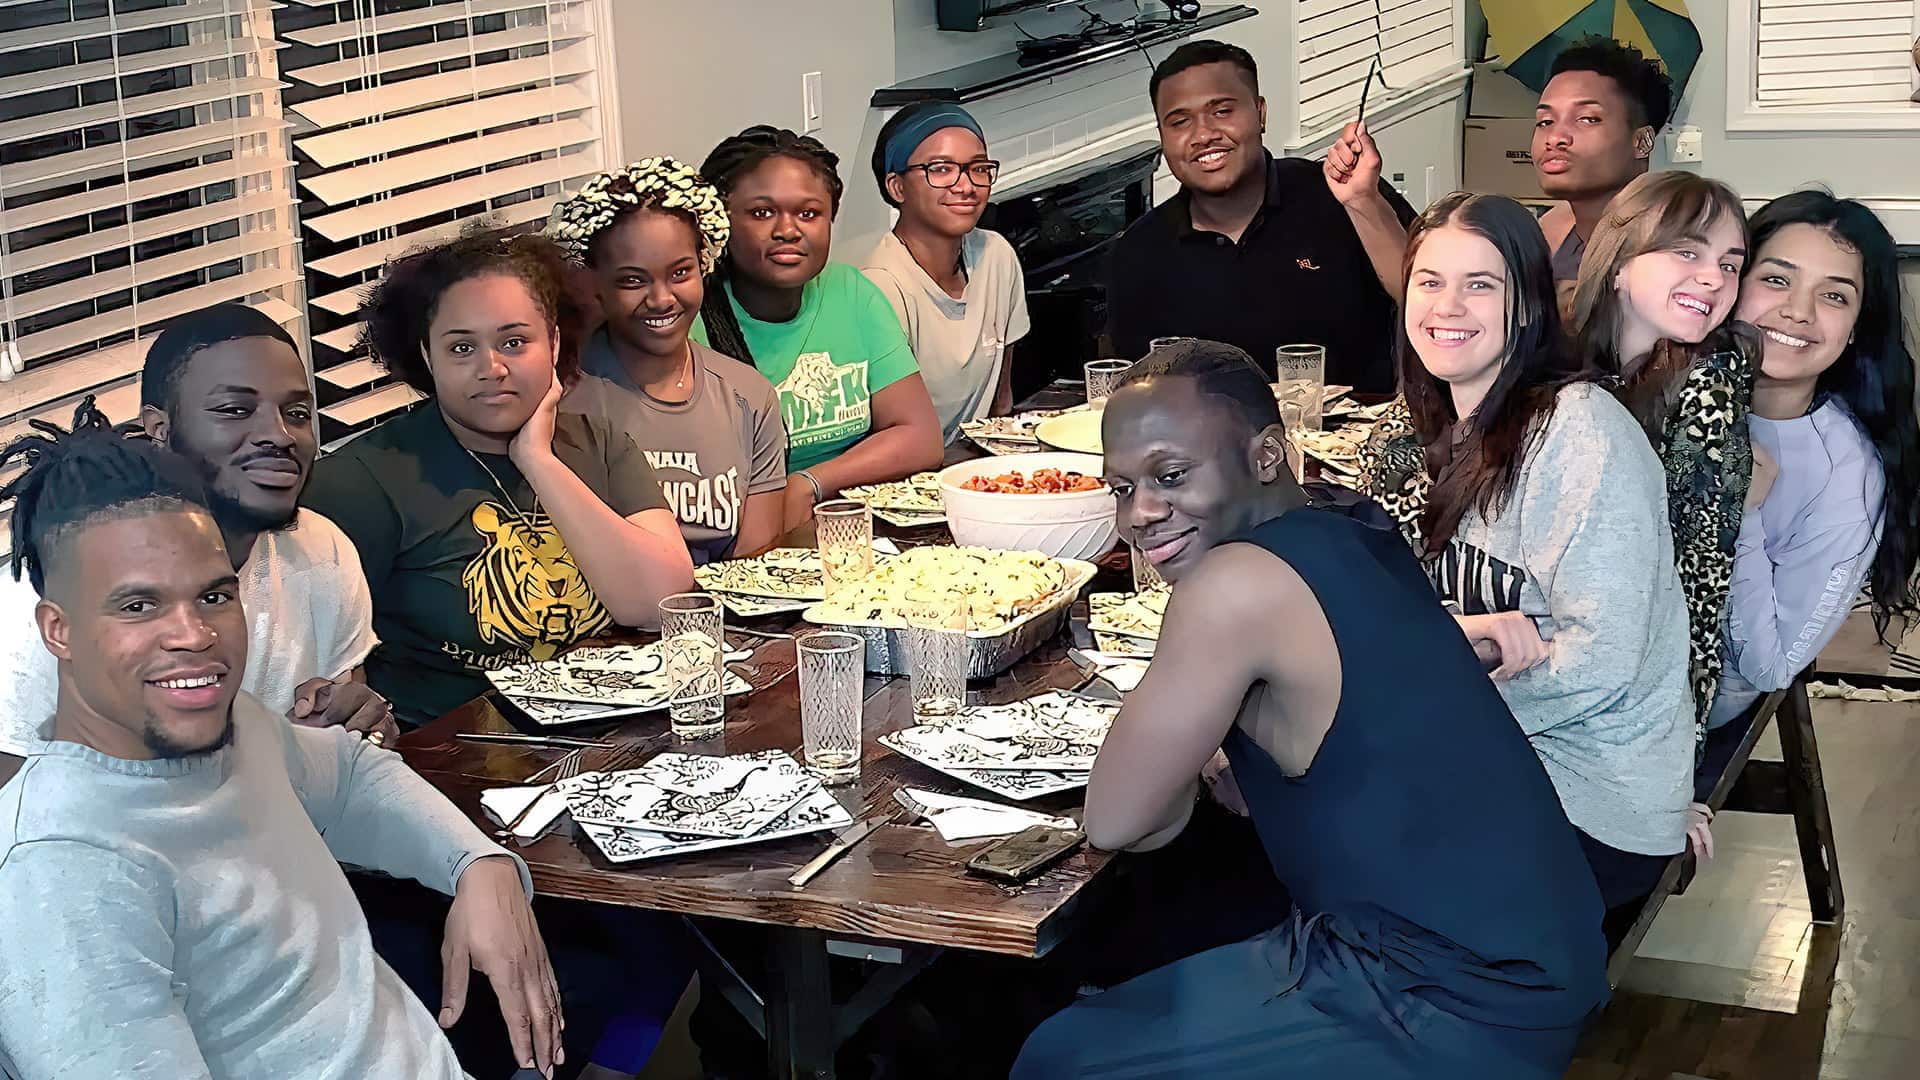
467,572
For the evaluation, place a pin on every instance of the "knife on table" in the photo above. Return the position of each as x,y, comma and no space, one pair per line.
847,838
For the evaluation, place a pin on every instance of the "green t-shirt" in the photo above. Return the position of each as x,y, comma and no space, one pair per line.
466,577
828,361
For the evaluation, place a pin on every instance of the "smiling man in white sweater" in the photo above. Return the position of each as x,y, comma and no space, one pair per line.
172,904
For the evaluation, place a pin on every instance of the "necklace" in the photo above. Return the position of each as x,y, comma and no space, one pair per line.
505,494
686,369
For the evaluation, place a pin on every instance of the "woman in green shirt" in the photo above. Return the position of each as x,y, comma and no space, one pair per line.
856,409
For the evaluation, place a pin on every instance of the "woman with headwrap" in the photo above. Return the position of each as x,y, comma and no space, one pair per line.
957,287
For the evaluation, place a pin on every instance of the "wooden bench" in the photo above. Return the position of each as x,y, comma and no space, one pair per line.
1793,785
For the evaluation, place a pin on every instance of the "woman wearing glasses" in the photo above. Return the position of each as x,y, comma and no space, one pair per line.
957,287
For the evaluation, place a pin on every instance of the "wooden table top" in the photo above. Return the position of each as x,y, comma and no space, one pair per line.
903,883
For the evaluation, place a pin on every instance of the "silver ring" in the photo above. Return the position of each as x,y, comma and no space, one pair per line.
377,738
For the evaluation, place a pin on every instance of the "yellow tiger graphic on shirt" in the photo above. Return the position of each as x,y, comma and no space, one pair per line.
524,589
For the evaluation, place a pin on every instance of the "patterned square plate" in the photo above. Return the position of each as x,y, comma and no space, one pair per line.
632,677
1121,645
1135,615
740,800
1017,784
814,813
917,494
1051,733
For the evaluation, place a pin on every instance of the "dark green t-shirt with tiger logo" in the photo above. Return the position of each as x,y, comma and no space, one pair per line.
467,577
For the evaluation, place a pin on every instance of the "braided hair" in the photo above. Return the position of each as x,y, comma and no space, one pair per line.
735,157
579,222
90,473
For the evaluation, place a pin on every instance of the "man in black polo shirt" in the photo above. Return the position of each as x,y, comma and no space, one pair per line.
1255,250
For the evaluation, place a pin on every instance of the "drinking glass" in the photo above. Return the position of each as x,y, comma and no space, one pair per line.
844,531
1145,577
936,669
831,666
693,646
1103,377
1301,372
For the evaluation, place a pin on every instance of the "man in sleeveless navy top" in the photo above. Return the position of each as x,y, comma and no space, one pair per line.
1446,924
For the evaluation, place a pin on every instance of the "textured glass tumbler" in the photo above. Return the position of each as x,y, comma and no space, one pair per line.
1301,383
1103,378
1145,577
693,646
843,529
832,665
937,671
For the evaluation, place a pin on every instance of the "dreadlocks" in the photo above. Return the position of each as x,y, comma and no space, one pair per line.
733,158
93,472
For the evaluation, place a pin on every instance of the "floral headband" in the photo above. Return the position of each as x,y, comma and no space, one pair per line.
658,183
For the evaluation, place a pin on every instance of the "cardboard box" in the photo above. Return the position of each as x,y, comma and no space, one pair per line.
1498,158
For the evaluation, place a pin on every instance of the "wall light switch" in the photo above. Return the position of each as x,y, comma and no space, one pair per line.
813,104
1688,144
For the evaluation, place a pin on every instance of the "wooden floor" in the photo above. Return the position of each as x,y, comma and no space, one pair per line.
1735,981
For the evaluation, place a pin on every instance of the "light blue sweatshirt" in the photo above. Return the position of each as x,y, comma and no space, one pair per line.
187,919
1802,554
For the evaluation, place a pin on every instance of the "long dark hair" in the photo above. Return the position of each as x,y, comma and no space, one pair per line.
1480,469
1874,378
735,157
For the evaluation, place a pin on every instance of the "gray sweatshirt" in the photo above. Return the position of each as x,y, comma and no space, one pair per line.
1802,554
1583,547
187,919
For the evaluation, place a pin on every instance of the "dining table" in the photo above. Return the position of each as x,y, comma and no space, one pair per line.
899,897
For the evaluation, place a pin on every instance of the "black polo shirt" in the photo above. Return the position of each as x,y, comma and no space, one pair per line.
1298,276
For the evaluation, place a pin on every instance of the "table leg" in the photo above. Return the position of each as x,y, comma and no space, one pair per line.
1807,791
800,1035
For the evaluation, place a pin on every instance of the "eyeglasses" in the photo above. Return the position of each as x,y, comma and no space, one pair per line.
945,174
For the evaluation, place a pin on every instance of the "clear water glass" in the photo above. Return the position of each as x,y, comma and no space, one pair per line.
1103,378
843,529
832,665
1300,384
937,662
693,645
1145,577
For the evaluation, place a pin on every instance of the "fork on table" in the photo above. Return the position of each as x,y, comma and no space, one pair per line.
566,768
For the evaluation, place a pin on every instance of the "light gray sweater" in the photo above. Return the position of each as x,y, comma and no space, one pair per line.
188,918
1583,546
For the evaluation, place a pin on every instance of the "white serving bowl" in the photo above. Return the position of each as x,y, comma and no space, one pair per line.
1071,525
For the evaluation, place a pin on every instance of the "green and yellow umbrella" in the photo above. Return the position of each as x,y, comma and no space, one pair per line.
1533,32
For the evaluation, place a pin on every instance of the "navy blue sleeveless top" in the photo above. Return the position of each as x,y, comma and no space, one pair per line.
1425,829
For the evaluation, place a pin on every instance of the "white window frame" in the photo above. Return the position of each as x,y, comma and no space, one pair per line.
1744,114
1293,127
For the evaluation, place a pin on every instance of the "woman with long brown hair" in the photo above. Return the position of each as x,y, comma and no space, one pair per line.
1650,313
1545,533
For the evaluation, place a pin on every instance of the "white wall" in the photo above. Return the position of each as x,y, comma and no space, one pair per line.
691,74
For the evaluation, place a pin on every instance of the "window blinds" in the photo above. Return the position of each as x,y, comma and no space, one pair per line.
414,121
1415,40
1840,53
143,174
